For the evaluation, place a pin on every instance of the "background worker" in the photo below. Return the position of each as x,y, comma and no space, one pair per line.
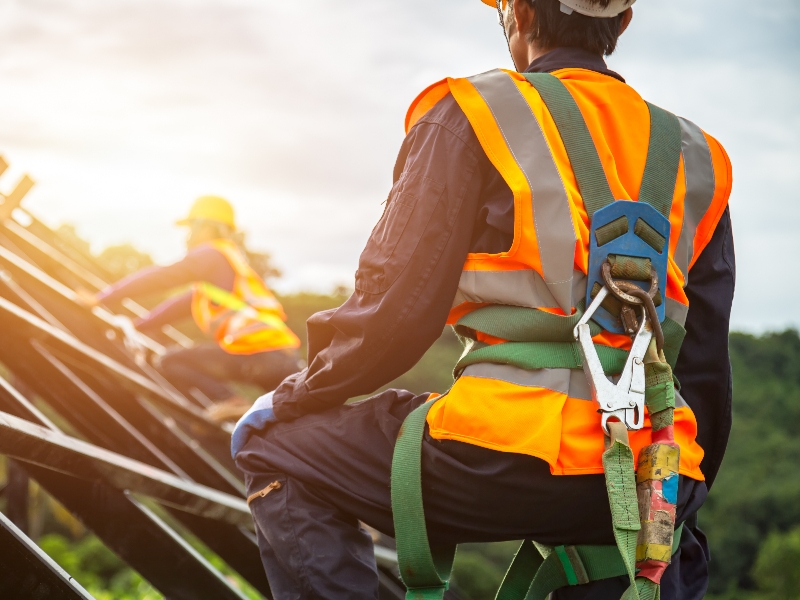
228,300
486,211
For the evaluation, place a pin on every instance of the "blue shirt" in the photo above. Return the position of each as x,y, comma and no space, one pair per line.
203,263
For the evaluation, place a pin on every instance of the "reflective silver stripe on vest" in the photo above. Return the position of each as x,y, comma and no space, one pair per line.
518,288
676,311
700,186
551,209
571,382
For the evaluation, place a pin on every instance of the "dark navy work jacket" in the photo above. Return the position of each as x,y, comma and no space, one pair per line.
374,337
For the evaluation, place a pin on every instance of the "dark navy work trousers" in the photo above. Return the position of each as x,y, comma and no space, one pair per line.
208,367
334,471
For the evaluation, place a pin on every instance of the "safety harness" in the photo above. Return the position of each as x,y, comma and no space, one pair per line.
625,294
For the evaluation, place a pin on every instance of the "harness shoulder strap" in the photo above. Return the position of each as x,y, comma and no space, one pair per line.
663,154
663,159
577,140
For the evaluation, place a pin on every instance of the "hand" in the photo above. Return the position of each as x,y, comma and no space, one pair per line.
86,298
256,420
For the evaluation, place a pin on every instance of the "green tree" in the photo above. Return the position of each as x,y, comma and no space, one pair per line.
777,568
123,259
97,569
69,235
758,486
479,569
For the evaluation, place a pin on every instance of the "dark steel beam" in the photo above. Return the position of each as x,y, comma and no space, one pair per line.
27,572
208,513
124,424
114,423
52,299
59,257
13,402
37,327
138,537
190,457
107,478
87,352
235,545
17,496
124,399
54,255
32,443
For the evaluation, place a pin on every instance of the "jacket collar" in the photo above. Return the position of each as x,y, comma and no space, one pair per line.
571,58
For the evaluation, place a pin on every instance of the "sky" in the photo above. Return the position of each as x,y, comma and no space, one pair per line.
124,111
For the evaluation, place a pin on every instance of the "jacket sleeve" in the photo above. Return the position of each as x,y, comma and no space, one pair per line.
407,276
703,366
171,310
203,263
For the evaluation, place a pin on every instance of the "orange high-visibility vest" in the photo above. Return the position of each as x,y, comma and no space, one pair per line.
548,413
248,319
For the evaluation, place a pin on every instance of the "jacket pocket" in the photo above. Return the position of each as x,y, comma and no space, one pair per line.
396,236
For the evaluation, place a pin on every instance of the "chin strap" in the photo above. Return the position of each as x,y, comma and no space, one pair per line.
503,27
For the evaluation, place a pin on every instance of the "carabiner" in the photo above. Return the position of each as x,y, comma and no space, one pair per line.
624,400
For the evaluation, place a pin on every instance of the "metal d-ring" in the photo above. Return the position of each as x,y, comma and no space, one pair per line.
617,291
631,294
650,307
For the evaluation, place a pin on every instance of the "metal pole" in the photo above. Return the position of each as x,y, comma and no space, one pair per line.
17,495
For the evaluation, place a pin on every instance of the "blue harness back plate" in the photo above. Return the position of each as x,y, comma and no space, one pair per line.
628,244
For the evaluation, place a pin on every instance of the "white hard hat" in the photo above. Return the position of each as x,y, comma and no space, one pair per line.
585,7
591,9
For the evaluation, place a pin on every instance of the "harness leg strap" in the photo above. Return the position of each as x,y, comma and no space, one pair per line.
425,572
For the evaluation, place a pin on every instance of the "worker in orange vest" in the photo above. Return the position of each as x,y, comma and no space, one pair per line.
228,301
578,240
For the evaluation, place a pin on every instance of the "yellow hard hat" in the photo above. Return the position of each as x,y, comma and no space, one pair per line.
210,208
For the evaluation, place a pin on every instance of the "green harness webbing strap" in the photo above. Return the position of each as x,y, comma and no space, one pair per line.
538,570
663,153
521,324
663,159
620,472
539,355
424,571
578,142
545,355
